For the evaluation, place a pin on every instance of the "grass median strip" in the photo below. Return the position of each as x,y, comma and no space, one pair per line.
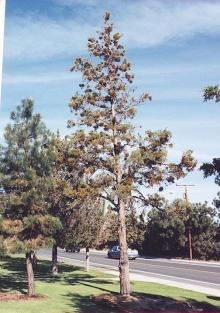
74,290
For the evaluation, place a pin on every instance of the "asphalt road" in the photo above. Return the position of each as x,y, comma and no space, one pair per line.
197,273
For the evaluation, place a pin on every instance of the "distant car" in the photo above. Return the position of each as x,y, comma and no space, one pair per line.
72,249
114,253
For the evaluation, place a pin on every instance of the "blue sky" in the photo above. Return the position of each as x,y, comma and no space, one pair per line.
173,46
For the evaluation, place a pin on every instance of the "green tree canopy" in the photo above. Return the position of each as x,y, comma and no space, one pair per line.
120,165
80,213
212,169
26,162
211,92
167,231
135,229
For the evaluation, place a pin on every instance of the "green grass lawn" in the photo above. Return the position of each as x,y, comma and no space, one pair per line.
71,290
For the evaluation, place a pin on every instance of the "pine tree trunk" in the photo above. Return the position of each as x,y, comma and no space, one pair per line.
54,267
30,259
125,288
87,259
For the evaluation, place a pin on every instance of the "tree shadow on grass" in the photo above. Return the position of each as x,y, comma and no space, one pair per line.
87,278
169,303
154,301
16,277
214,298
15,280
84,304
11,283
146,303
42,267
207,307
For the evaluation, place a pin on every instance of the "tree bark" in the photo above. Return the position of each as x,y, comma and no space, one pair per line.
30,260
190,243
54,267
87,259
125,288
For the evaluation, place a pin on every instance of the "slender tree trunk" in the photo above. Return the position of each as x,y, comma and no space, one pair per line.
125,288
190,243
54,267
30,259
87,259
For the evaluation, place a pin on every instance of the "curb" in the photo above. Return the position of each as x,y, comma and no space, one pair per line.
147,277
158,259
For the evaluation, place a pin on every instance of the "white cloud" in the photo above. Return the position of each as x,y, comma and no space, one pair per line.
38,78
183,68
153,22
156,22
181,123
175,155
147,74
144,24
203,189
30,37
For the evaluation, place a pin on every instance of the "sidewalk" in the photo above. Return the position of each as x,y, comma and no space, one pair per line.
207,288
185,284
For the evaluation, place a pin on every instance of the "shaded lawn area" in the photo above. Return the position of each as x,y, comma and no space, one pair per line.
72,289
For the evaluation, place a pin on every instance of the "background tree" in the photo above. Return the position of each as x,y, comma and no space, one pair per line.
26,163
211,92
61,197
81,215
119,164
167,231
212,169
83,227
135,229
108,235
2,206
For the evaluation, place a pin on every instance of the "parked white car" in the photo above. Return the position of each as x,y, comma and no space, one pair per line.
114,253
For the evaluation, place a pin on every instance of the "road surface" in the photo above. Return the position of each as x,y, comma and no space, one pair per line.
200,274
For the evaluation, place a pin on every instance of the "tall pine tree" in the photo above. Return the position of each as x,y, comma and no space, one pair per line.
119,163
26,163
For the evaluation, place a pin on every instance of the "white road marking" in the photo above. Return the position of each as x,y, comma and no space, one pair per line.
141,272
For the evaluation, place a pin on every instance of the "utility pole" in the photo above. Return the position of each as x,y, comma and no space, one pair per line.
185,197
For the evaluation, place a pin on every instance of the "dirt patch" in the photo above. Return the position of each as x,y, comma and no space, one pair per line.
143,304
20,297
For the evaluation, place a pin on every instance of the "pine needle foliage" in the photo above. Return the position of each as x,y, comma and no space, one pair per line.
26,162
120,165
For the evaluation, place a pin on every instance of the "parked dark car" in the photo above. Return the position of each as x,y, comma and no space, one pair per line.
72,249
114,253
